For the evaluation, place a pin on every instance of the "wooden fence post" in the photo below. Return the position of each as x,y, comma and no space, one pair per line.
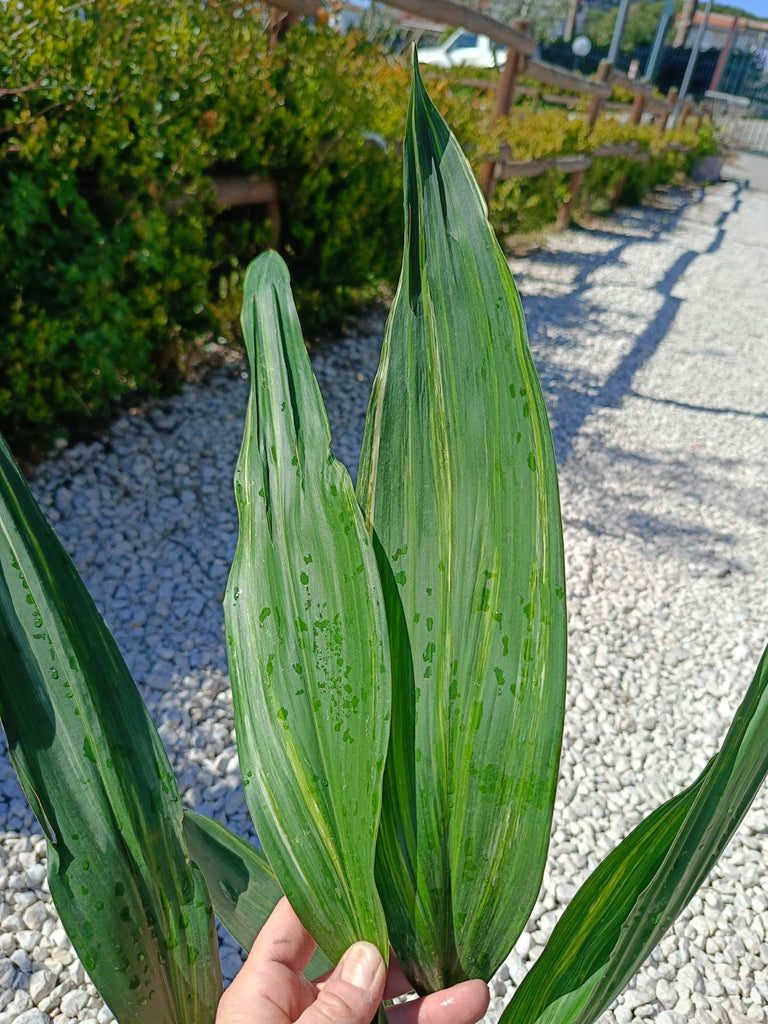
575,182
505,94
603,74
279,23
638,106
505,97
575,167
618,188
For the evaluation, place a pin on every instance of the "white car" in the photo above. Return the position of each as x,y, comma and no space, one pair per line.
464,49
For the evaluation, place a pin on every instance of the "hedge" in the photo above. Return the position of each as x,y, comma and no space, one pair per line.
111,110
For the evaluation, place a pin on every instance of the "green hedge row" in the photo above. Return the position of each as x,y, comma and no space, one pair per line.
122,107
112,109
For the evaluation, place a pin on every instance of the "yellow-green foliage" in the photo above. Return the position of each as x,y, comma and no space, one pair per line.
109,112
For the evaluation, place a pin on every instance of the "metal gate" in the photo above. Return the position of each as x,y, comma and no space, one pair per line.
743,122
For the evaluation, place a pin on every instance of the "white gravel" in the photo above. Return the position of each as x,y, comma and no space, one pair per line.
648,331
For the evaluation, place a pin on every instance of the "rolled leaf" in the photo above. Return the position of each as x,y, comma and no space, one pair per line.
458,484
94,770
242,885
632,898
306,636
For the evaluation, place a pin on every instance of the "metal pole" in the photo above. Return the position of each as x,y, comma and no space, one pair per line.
691,63
618,30
725,53
684,22
658,41
570,21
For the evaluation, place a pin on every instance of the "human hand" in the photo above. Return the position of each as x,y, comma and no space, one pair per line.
271,987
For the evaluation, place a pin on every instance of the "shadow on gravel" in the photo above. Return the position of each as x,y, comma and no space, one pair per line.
575,395
627,502
691,407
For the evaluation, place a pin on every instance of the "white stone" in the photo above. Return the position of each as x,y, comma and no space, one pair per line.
41,984
28,940
22,961
8,970
666,993
64,956
690,978
33,1016
73,1002
36,874
634,998
35,914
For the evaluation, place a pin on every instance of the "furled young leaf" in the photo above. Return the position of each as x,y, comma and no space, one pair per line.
631,899
458,483
307,637
243,886
98,779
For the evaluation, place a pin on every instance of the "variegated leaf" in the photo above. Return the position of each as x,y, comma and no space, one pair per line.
307,637
459,487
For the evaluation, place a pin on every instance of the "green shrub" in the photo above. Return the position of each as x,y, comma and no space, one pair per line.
103,288
111,111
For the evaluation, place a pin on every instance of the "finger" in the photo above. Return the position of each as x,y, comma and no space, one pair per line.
353,991
284,940
270,987
396,985
463,1004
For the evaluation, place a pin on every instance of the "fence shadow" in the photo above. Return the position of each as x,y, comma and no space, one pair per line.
575,394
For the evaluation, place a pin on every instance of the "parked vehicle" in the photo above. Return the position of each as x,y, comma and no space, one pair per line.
464,49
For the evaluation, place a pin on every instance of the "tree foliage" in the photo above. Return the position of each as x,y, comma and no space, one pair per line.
640,30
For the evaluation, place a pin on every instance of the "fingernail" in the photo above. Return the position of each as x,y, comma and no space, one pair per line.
361,964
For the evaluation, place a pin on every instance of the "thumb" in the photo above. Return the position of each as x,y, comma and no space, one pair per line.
354,990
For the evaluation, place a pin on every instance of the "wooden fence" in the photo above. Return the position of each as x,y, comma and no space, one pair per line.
520,63
599,89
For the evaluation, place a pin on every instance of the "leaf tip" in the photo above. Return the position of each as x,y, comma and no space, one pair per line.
268,268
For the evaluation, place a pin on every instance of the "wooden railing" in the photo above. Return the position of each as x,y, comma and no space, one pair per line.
240,190
599,89
519,64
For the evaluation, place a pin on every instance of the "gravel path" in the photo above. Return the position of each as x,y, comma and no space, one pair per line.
648,331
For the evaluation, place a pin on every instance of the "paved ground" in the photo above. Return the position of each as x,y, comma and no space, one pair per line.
649,334
749,167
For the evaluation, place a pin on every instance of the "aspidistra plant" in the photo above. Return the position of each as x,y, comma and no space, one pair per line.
458,491
398,668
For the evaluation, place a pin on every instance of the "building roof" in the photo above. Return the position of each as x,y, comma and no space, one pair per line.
724,21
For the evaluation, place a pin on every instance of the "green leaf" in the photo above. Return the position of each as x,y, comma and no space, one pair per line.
307,637
458,482
243,886
632,898
98,779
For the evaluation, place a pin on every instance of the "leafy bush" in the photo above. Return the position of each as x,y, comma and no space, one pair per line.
120,109
524,204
